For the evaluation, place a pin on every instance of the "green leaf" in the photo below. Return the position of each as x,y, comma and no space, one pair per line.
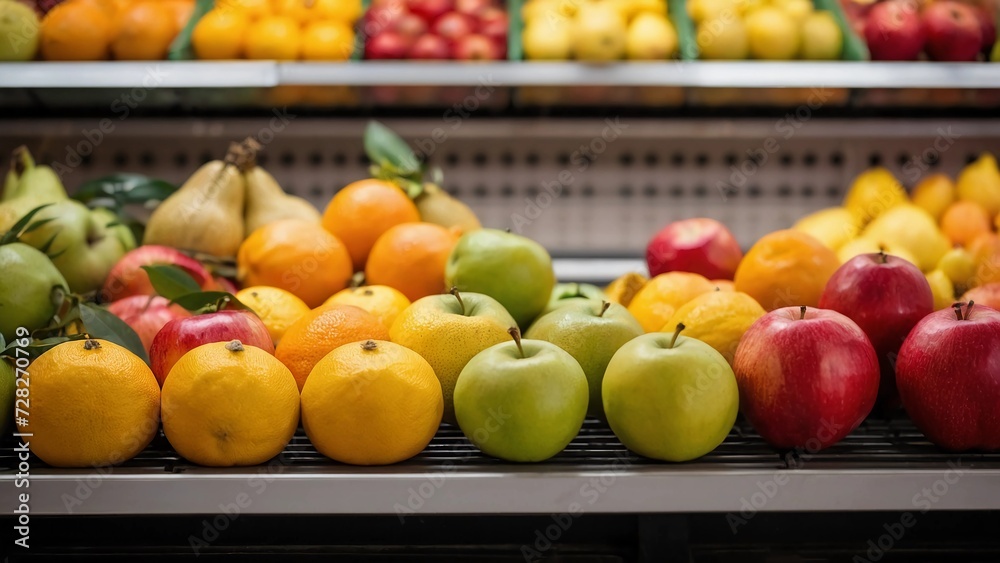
99,323
171,282
39,347
209,301
384,146
15,231
124,189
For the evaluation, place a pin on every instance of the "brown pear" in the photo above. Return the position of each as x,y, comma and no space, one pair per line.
437,206
267,202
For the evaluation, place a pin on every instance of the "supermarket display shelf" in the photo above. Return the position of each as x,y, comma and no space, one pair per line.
263,74
884,465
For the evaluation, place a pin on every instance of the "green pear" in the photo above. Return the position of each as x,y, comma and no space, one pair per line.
566,293
21,31
27,289
26,187
514,270
521,401
591,331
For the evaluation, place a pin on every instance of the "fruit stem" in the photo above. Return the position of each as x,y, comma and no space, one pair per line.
604,308
881,255
454,291
968,309
516,335
369,345
802,312
20,160
234,346
91,344
677,332
958,310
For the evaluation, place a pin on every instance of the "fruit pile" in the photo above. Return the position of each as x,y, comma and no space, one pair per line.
765,29
436,30
851,309
284,30
604,30
902,30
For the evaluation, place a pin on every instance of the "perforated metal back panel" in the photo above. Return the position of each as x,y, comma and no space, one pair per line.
612,182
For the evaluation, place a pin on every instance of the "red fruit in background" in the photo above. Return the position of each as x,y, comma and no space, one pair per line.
410,25
805,382
146,315
225,284
700,246
948,376
894,31
453,26
382,17
430,10
493,23
476,48
472,7
886,296
987,26
387,45
988,295
953,32
127,278
179,336
429,48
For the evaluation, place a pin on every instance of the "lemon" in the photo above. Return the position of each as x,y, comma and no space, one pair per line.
278,309
718,318
874,192
942,289
913,229
833,226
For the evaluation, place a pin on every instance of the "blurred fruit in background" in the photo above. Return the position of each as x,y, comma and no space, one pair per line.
772,30
19,26
220,35
145,31
904,30
435,30
76,31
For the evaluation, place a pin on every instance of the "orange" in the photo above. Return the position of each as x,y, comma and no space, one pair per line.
371,403
227,404
411,258
328,40
934,194
145,31
273,37
365,209
657,301
964,221
278,309
220,34
623,289
76,31
985,252
181,10
321,330
384,302
93,403
786,268
296,256
253,9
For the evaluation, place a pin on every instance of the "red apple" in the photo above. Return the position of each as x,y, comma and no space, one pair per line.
949,377
410,26
429,47
988,27
476,47
472,7
493,23
953,31
807,377
886,296
386,45
146,315
127,277
701,246
225,284
179,336
383,16
430,10
894,31
453,26
988,294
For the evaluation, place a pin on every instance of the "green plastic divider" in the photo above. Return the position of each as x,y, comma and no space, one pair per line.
180,49
515,50
855,48
686,34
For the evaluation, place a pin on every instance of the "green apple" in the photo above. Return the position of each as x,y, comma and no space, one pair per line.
85,243
20,30
591,331
521,401
26,289
514,270
670,397
448,330
565,293
8,382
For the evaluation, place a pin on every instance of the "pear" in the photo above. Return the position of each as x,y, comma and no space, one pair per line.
267,202
27,297
874,192
980,182
26,187
206,213
438,207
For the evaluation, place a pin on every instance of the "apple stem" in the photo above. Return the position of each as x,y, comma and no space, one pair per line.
968,309
604,308
516,335
454,291
369,345
958,310
235,346
91,345
677,332
802,312
148,303
881,254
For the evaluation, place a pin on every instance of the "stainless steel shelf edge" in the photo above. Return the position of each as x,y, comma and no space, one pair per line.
503,490
753,74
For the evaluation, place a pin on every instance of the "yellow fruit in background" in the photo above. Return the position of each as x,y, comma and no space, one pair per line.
980,182
544,41
723,39
717,318
960,267
309,11
822,39
227,404
834,226
964,221
865,245
934,194
598,33
799,11
92,403
910,227
384,302
786,268
253,9
633,8
328,40
548,11
278,309
942,289
651,37
773,34
371,403
220,35
274,37
657,301
713,10
874,192
623,289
